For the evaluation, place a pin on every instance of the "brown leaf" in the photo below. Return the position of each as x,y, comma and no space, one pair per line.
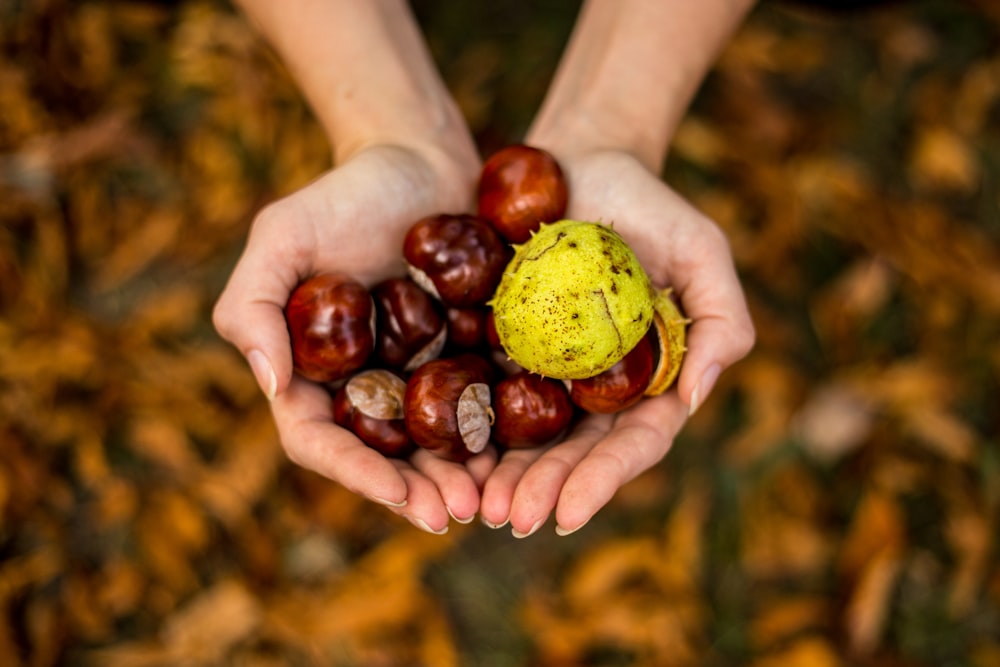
943,159
205,629
788,617
835,420
868,607
805,652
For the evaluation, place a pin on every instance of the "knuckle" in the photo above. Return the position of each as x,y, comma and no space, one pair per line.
746,336
221,317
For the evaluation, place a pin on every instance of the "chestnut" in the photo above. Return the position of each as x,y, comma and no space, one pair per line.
447,407
519,188
458,259
331,321
531,410
370,405
467,326
620,386
409,327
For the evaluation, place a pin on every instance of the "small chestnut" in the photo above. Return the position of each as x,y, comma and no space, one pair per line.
458,259
331,321
531,410
620,386
409,328
370,405
519,188
447,408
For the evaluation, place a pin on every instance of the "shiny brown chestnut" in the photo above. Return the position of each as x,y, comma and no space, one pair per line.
531,410
519,188
409,327
331,320
447,408
370,405
619,387
458,259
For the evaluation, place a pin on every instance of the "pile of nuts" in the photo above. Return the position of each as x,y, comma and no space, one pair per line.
416,361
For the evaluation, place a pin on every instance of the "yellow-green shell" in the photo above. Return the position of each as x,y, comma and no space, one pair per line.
573,301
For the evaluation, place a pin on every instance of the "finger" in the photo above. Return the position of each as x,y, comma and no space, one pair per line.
424,508
539,488
498,492
640,438
481,466
250,310
302,414
455,485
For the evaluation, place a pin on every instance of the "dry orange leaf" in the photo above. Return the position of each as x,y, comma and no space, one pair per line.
943,159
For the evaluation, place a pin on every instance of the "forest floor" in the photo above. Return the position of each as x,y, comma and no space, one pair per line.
836,502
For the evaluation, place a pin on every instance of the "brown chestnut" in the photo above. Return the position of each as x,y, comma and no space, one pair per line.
409,328
447,408
619,387
467,326
458,259
370,405
519,188
531,410
331,321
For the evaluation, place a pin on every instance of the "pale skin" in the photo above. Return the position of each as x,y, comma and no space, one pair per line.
402,151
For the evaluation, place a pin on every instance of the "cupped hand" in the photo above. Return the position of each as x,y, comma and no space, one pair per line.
682,249
351,220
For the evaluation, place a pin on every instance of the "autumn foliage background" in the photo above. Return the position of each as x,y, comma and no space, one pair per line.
835,503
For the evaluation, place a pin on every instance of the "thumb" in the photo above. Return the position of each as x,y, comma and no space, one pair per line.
250,314
722,331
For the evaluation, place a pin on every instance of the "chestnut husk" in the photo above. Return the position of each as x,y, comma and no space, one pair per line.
370,405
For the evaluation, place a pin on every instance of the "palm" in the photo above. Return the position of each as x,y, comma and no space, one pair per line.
352,220
679,248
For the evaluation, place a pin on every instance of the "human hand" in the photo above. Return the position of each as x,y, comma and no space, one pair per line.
351,220
682,249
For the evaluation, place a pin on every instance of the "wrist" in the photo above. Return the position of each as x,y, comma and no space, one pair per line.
628,74
366,72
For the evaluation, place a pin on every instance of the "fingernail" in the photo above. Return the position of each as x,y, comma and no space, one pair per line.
563,532
519,535
387,503
492,525
466,520
264,373
422,525
704,387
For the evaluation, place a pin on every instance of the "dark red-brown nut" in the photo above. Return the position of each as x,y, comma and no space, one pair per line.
619,387
409,328
447,408
521,187
456,258
530,410
331,320
370,405
467,326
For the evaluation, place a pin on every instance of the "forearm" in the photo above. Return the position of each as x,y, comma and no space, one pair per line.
363,67
629,73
